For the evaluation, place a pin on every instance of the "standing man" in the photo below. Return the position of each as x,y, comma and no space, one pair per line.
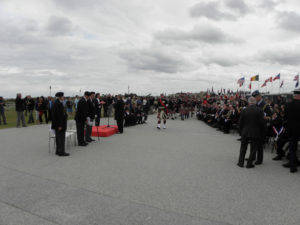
20,106
119,113
2,110
162,111
251,128
90,118
30,107
81,118
97,104
293,125
59,124
267,117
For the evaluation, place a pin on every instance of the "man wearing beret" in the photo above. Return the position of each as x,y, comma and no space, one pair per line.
293,127
267,116
81,118
59,124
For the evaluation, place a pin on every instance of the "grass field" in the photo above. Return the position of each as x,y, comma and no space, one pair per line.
11,118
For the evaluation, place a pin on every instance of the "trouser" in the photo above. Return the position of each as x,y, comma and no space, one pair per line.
280,144
80,132
60,137
30,118
254,145
293,152
97,119
2,114
20,117
260,152
88,132
120,124
49,115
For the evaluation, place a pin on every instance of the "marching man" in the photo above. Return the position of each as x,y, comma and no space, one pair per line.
162,111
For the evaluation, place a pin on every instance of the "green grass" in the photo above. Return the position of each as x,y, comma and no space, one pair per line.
11,119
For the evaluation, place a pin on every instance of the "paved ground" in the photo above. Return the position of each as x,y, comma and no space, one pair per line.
184,175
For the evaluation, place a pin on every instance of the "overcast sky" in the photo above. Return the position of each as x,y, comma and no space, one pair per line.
154,46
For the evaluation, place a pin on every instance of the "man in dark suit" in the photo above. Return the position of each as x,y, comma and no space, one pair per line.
293,127
59,124
97,104
251,129
119,113
91,117
267,117
81,118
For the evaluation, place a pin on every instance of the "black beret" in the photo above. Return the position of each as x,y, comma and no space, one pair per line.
255,93
297,92
59,94
87,93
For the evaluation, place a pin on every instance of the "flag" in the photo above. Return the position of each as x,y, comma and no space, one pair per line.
264,84
250,86
241,81
297,79
255,78
269,80
277,77
281,84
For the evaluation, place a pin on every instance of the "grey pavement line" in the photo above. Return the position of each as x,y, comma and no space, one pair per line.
28,212
110,196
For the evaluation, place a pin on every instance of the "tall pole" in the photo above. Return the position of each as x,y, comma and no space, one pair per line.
50,90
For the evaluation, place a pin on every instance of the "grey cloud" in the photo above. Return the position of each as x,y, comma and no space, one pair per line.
154,59
268,4
209,10
59,26
200,33
221,60
289,21
238,5
282,56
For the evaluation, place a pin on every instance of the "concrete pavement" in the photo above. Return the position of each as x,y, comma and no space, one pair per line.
186,174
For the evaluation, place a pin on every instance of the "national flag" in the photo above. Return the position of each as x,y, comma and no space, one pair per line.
250,86
255,78
296,78
264,84
281,85
241,81
269,80
277,77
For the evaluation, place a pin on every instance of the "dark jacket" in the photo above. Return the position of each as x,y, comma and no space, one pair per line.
82,111
252,123
119,109
293,118
20,106
91,109
59,116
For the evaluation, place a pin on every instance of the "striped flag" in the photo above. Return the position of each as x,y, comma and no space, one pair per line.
241,81
255,78
297,79
269,80
277,77
264,84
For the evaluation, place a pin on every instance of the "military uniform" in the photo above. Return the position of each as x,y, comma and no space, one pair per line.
59,124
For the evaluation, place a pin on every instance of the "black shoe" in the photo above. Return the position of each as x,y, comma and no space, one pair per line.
293,169
277,158
24,126
92,140
250,166
286,165
258,163
242,166
89,141
63,154
83,144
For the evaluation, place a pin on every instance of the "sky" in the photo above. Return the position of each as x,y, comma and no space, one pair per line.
157,46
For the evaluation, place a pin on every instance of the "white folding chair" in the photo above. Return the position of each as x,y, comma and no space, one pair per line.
51,136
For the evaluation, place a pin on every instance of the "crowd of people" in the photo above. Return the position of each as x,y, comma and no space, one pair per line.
260,120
